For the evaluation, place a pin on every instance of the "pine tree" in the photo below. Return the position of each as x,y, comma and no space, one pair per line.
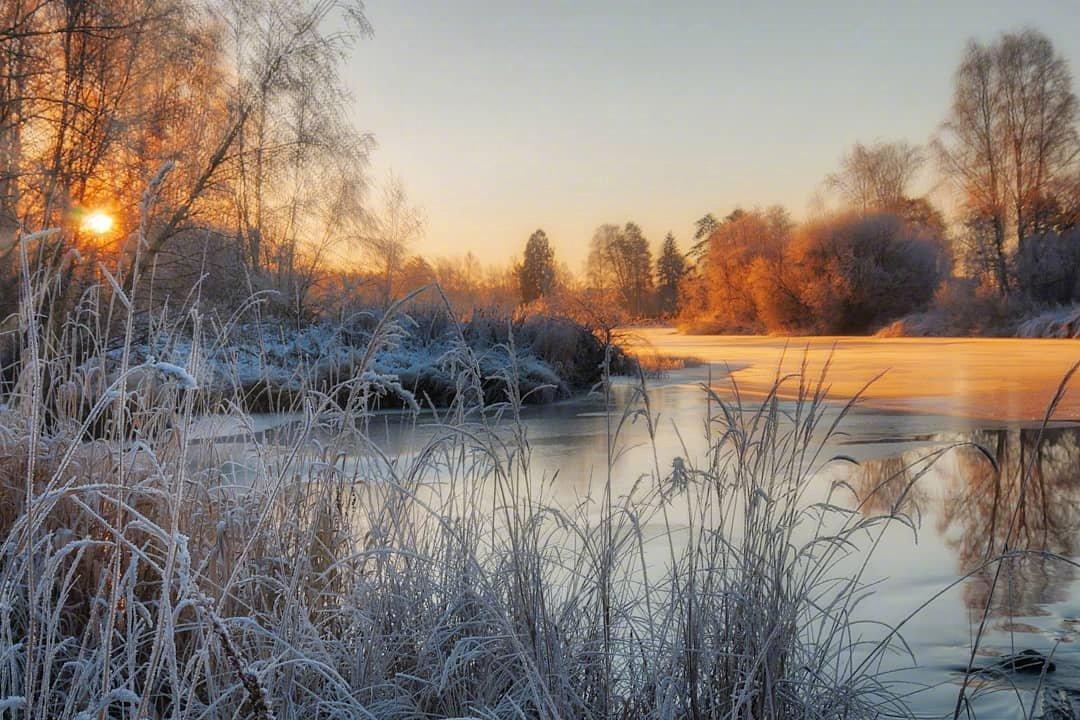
704,228
670,270
536,273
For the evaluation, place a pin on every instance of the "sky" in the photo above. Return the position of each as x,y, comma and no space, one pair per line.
504,116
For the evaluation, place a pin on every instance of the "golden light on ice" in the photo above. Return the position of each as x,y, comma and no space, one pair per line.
97,222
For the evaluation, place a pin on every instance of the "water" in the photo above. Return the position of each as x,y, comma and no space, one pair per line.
950,395
946,397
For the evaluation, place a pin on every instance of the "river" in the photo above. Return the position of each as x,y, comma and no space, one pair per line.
925,394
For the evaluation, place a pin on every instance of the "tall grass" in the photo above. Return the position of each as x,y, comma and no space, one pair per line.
147,570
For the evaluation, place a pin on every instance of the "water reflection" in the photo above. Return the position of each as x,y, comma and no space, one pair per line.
985,492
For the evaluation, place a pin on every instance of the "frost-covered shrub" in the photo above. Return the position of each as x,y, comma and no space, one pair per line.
1062,322
1048,267
853,273
573,351
421,360
964,307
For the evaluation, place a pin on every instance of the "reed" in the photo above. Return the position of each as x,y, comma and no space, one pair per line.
149,569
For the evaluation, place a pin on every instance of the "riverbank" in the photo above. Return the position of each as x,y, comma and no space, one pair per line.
409,361
1056,322
312,569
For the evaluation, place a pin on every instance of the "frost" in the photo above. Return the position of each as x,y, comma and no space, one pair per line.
410,362
1061,322
117,695
182,376
12,703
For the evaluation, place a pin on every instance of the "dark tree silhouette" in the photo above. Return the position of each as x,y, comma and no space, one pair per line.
703,230
536,273
670,270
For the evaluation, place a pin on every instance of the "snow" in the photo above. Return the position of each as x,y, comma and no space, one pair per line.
1063,322
410,363
12,703
182,376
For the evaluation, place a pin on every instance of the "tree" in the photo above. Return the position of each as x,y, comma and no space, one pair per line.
670,271
703,228
1009,137
389,233
598,268
620,263
536,274
852,273
242,100
722,284
876,177
1048,266
981,252
1038,123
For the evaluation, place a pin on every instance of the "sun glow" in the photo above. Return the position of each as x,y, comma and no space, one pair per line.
97,222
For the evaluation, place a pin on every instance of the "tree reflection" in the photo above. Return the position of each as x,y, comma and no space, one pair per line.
1029,502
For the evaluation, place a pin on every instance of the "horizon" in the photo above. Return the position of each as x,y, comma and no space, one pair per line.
267,450
475,108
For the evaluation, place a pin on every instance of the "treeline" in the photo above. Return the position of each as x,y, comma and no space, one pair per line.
211,145
1009,152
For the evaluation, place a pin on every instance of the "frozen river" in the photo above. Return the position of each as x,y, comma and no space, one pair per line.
1004,379
934,393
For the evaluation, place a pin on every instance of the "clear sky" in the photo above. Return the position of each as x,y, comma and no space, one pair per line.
502,116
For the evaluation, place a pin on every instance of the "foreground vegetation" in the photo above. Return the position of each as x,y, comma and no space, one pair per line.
149,568
155,571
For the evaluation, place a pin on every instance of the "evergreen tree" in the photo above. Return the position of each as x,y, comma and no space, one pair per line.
637,265
536,273
703,230
670,269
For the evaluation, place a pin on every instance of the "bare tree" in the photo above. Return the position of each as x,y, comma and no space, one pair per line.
970,154
598,268
620,262
242,98
295,149
390,232
95,97
1038,123
876,177
1010,134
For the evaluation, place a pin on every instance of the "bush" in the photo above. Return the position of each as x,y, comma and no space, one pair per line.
1048,267
844,274
964,308
850,274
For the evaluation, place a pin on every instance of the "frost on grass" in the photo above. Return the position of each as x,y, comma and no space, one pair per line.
303,571
1062,322
182,377
416,362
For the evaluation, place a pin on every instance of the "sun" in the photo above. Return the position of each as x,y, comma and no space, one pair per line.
97,222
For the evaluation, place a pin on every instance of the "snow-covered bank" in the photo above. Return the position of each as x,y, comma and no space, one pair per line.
1063,322
1059,322
415,361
